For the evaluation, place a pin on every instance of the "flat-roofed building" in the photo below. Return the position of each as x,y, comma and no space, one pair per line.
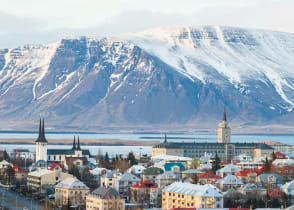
187,195
104,198
71,190
37,179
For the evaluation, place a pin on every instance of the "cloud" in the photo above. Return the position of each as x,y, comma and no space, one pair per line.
48,22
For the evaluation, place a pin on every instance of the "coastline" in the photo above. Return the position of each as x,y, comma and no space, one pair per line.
87,142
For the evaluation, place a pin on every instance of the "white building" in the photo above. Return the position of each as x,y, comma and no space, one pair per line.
187,195
41,143
229,169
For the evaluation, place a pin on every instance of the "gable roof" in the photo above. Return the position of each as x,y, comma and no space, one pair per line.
246,172
54,165
153,171
263,178
230,180
169,166
209,175
105,193
18,170
228,169
72,183
145,184
192,171
127,177
194,189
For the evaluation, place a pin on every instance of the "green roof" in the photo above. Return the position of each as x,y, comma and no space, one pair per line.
153,171
192,171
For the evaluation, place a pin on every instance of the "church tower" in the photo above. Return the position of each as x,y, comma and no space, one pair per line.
41,143
224,132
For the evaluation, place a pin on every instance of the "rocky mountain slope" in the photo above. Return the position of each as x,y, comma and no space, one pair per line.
167,78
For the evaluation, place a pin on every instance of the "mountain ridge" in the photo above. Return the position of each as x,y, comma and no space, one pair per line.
182,78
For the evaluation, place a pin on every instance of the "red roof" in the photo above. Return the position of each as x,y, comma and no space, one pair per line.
54,165
145,184
280,155
247,172
275,193
208,175
227,163
18,170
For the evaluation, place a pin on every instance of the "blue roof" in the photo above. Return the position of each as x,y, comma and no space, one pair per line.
168,166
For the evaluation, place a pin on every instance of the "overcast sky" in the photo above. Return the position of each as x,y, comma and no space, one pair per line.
46,21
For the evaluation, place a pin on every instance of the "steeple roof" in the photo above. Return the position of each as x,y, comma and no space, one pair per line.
41,136
225,115
78,147
74,143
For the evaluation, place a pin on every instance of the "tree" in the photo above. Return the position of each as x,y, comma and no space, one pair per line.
132,159
216,163
6,156
273,156
195,179
88,179
267,165
9,175
74,170
194,163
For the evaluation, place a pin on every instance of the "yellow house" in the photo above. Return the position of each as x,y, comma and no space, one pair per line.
105,199
187,195
37,179
71,190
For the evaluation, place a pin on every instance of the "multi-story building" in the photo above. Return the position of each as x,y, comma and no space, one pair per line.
71,190
109,179
124,182
229,182
224,148
186,195
36,180
104,198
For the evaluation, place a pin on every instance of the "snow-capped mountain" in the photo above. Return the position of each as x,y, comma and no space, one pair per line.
180,76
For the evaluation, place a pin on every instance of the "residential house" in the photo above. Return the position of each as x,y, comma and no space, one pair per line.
38,165
109,179
229,169
230,181
77,161
288,188
190,173
20,175
187,195
124,183
174,167
208,178
151,173
248,175
71,190
166,178
269,181
140,192
253,190
104,199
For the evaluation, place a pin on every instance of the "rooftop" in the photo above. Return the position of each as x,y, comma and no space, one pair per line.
72,183
194,189
105,193
41,172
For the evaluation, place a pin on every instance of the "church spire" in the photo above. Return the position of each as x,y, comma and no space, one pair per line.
78,147
225,115
41,136
74,143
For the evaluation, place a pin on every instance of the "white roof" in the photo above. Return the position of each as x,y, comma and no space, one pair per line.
230,180
4,163
97,171
288,185
229,169
41,172
194,189
170,158
136,169
283,162
72,183
128,177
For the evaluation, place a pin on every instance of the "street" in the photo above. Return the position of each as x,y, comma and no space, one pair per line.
17,201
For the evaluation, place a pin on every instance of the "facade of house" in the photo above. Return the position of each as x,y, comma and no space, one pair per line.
229,182
71,190
166,178
124,182
109,179
269,181
229,169
140,192
186,195
104,199
151,173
